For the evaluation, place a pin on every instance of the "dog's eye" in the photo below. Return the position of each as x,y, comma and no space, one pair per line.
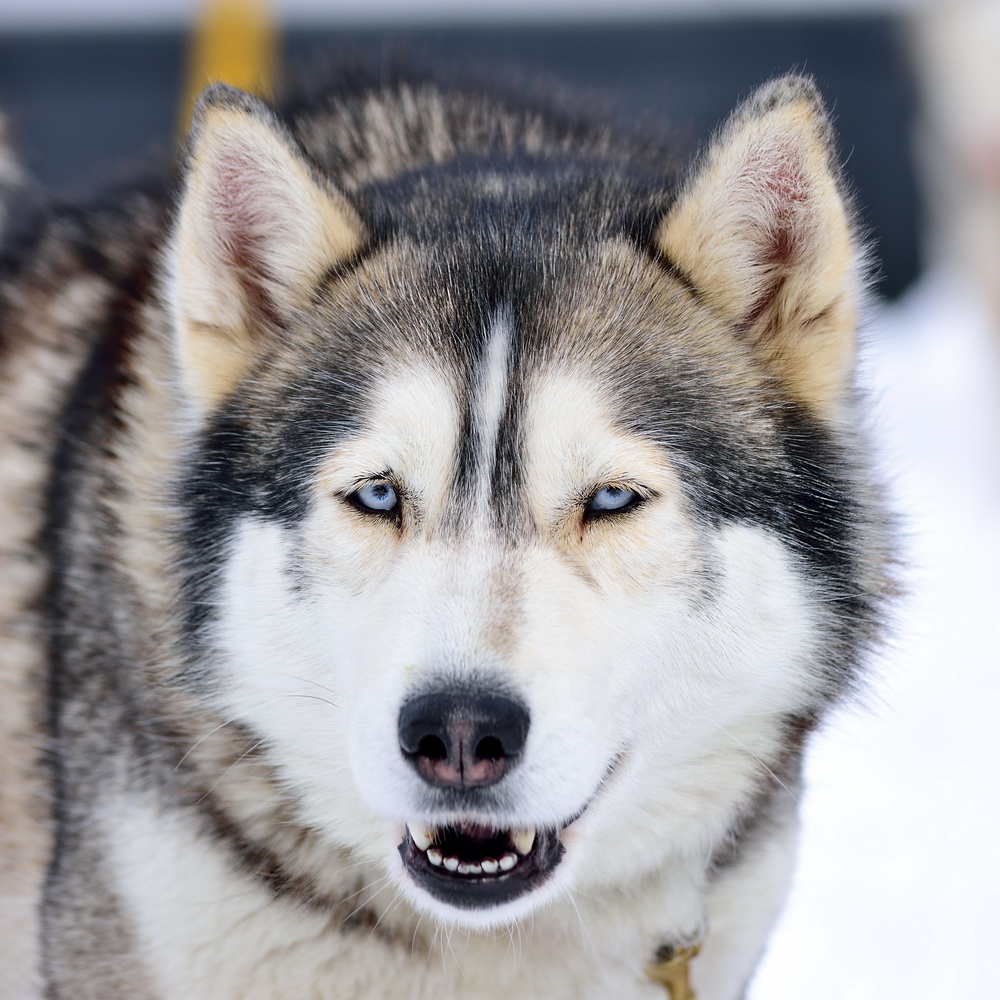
611,500
379,497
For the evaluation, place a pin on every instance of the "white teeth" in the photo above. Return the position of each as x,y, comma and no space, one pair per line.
422,836
523,840
488,866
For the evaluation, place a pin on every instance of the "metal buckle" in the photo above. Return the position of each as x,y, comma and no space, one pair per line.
673,973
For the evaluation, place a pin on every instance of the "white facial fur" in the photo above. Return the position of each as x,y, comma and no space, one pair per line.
648,645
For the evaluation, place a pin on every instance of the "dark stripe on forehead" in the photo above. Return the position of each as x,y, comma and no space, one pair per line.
507,481
488,474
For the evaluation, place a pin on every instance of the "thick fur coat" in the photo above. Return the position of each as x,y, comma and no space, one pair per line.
430,530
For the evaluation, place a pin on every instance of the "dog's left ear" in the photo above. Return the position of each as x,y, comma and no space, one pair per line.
762,231
257,229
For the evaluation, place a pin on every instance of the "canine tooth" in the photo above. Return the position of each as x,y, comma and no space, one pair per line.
507,862
434,856
490,866
422,836
451,864
523,840
469,868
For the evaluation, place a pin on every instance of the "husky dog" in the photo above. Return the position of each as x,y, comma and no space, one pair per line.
436,528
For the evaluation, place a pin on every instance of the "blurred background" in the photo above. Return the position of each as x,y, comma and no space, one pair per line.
897,895
93,86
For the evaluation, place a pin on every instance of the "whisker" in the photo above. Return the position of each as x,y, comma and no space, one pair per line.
584,930
380,886
201,739
762,763
309,680
397,900
243,756
312,697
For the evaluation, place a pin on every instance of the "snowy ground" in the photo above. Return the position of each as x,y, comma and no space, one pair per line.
898,890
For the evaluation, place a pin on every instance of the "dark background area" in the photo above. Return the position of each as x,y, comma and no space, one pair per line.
87,106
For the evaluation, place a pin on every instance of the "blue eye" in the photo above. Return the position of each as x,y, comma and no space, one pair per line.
610,499
379,497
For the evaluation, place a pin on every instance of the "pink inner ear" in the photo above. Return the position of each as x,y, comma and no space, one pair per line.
787,177
783,187
234,204
238,204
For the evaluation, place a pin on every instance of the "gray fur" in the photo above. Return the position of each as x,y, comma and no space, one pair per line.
473,205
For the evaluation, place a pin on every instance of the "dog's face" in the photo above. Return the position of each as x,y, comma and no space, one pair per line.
505,568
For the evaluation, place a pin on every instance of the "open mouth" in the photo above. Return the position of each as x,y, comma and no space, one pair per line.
470,865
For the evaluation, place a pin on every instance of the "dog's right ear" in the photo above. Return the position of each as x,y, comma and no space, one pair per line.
257,228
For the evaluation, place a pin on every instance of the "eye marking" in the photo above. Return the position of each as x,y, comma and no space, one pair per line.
378,496
612,499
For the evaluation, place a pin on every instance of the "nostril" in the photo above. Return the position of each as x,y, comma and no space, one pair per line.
489,748
432,747
461,738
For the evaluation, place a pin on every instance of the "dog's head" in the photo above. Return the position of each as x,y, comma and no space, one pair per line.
523,531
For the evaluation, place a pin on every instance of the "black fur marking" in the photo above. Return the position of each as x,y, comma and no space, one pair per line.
642,228
507,478
674,270
343,269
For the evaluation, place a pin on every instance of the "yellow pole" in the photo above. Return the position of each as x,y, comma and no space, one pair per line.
234,42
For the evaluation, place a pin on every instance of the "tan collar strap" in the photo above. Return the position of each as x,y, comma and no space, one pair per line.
674,972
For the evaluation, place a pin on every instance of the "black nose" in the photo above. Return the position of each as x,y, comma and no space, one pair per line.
458,739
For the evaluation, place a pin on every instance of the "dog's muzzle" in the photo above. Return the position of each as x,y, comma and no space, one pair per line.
461,742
